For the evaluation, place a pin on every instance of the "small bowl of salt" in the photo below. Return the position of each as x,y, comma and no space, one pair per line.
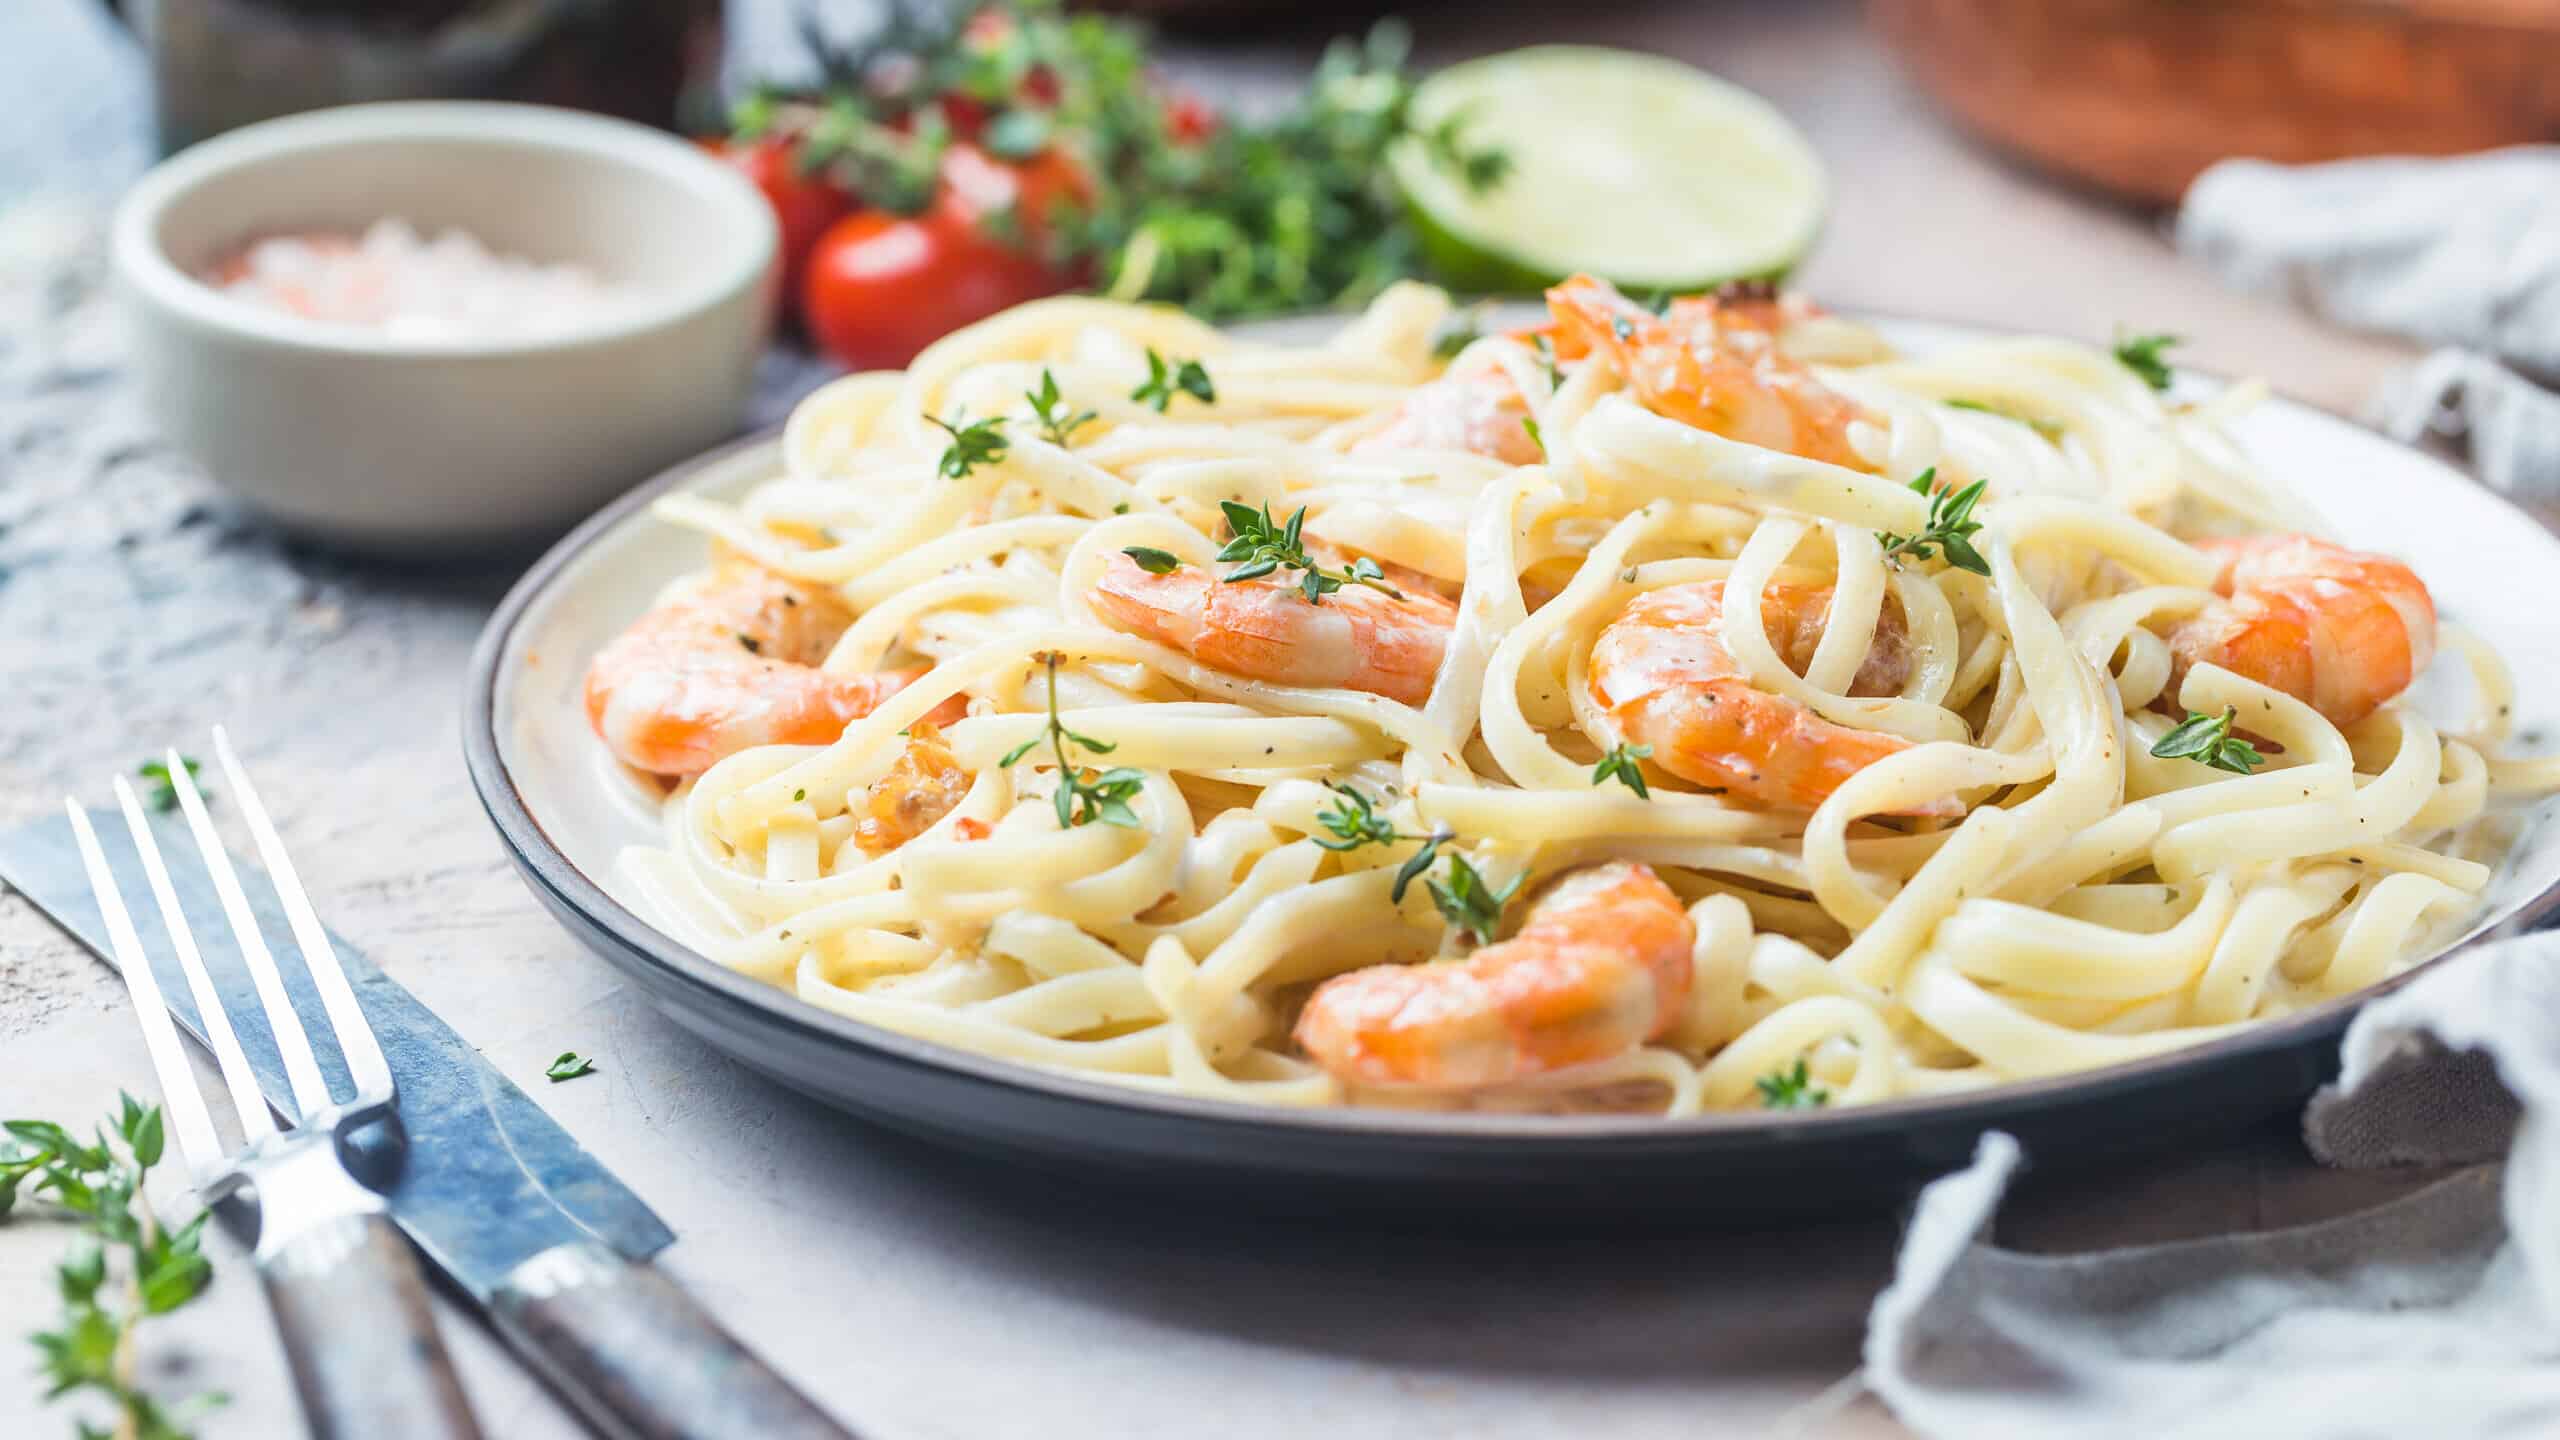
440,327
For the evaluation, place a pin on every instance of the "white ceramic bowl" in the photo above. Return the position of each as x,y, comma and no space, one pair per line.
404,445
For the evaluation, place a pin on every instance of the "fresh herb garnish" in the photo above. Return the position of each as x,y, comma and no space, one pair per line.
1620,765
1152,560
1106,796
1167,378
1057,424
1544,349
102,1186
2207,740
1266,545
569,1066
1536,436
980,442
1791,1089
1468,903
1950,524
2049,429
1355,822
164,790
2144,355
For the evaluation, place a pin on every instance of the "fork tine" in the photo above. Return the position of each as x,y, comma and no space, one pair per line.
256,1122
180,1100
371,1072
301,1068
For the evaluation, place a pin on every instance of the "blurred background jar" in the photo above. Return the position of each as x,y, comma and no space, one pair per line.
220,64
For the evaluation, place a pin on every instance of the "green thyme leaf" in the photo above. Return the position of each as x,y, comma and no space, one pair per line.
1791,1089
569,1066
1620,765
1152,560
980,442
2146,356
1166,379
1058,423
1950,526
2207,740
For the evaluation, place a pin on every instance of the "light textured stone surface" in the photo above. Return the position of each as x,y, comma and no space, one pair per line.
918,1294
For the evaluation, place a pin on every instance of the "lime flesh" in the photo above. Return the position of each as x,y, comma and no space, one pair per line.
1631,167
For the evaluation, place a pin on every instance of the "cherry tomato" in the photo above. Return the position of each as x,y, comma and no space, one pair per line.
881,287
803,205
1188,119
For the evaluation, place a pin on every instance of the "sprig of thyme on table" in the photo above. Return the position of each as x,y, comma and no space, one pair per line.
100,1184
1106,796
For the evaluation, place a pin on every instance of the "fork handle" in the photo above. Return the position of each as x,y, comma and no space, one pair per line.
353,1315
640,1358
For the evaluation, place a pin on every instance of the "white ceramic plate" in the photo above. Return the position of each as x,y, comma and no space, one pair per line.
567,811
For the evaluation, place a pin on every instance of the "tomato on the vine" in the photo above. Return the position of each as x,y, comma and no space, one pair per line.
881,287
804,205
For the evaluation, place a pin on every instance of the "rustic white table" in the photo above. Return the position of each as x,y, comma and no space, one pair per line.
915,1293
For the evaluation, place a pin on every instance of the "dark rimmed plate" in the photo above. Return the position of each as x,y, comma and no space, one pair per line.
563,813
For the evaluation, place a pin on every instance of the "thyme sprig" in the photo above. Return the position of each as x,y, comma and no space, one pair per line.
1104,797
163,794
1620,765
100,1185
979,442
1950,526
1466,901
2147,356
2207,740
1168,378
1788,1088
1058,421
1265,545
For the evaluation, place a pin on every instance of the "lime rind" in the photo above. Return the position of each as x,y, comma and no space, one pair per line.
1632,167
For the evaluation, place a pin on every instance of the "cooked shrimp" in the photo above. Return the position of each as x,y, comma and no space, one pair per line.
1264,629
925,783
1713,363
1667,681
726,666
2340,630
1600,966
1480,411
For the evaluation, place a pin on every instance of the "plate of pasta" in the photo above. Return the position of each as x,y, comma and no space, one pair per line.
1561,747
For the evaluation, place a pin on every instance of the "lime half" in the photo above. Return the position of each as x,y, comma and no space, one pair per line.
1634,168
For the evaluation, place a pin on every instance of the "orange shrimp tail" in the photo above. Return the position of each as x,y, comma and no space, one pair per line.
1601,966
1710,364
2340,630
1753,745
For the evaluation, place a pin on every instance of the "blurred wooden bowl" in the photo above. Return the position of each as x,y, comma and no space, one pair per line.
2137,96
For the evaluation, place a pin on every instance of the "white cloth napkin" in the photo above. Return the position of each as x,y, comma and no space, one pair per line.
2436,1314
2462,254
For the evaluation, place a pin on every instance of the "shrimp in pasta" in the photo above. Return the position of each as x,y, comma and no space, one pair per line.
1480,411
2340,630
1266,629
1667,681
725,666
1601,965
1716,364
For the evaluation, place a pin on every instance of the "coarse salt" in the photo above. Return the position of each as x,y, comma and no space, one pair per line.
393,280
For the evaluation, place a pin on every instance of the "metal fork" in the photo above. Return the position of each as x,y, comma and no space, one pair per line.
348,1302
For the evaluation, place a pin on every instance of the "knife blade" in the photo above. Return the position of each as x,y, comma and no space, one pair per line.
489,1187
487,1181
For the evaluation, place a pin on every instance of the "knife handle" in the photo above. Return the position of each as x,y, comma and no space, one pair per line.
358,1334
640,1359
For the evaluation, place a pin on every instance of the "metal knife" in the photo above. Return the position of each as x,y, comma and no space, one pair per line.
489,1187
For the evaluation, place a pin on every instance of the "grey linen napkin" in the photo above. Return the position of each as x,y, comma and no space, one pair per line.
2462,254
2435,1314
